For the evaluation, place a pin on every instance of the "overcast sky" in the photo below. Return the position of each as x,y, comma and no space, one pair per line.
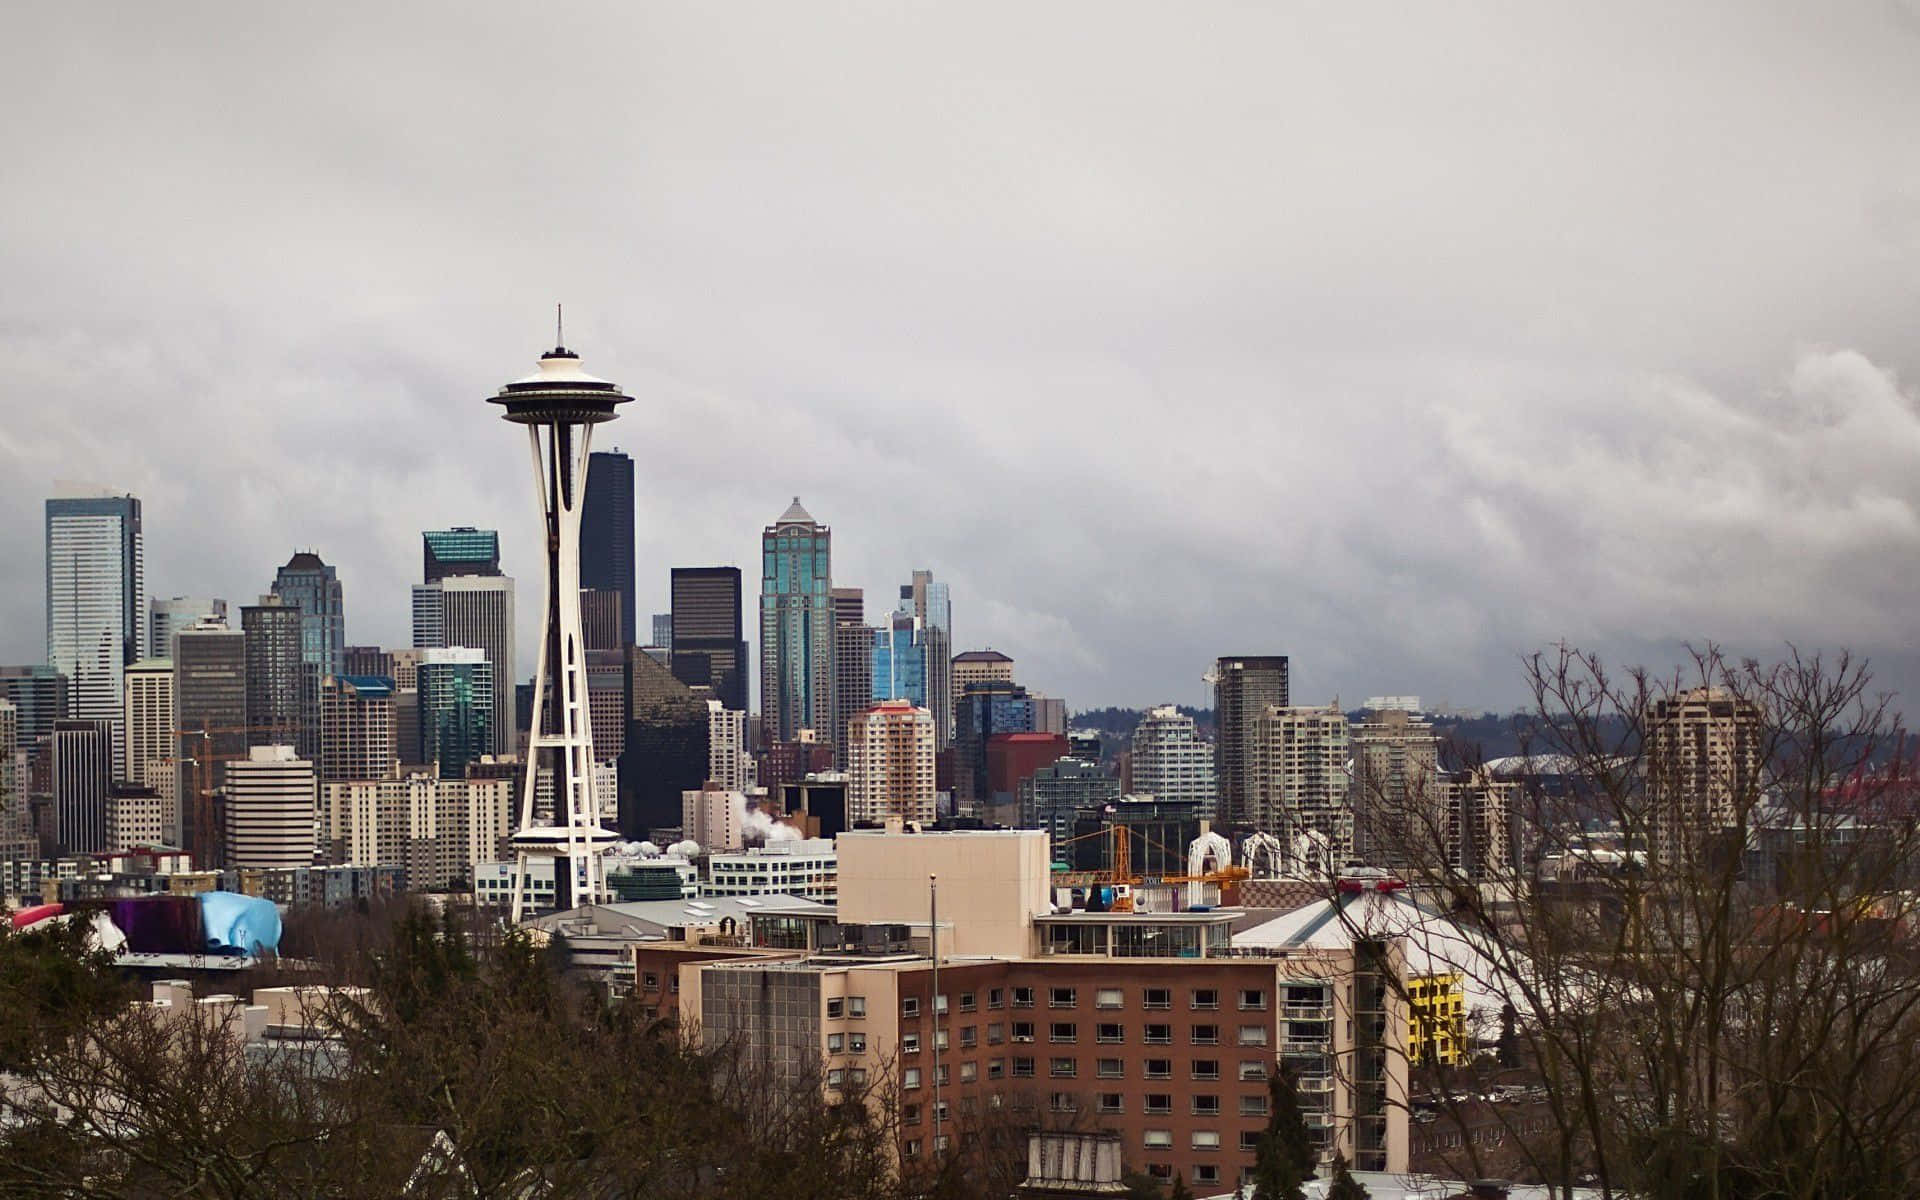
1400,338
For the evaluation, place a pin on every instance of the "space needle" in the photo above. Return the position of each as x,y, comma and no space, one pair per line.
560,404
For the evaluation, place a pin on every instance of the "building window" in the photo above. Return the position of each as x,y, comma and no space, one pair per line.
836,1077
836,1043
857,1076
1065,997
966,1002
1023,1031
1159,1068
909,1114
996,1067
1063,1031
996,1033
1159,1035
1206,1106
857,1043
940,1038
1250,1140
1023,997
1111,1102
836,1008
1253,1035
1157,1139
1252,998
1206,998
1253,1106
1063,1068
912,1149
650,981
1207,1173
969,1072
1110,1031
940,1074
1109,998
1023,1068
1062,1102
969,1037
910,1078
909,1043
1159,1102
910,1006
1159,998
1206,1139
996,998
1252,1072
1110,1068
940,1004
856,1006
1206,1068
1206,1035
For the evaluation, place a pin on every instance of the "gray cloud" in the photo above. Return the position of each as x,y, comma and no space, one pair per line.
1401,341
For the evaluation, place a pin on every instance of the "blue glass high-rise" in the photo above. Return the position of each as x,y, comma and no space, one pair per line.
900,660
314,587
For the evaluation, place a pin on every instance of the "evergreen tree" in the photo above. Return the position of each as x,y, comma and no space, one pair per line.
1285,1156
1508,1047
1344,1186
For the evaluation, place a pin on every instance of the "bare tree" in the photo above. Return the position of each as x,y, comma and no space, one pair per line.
1700,911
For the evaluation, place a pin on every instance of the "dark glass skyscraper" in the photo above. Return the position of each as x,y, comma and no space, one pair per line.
1244,687
313,586
606,534
282,687
708,649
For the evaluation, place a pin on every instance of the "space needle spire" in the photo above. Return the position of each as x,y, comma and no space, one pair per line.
560,404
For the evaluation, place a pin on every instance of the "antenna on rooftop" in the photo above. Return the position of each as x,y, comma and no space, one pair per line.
559,326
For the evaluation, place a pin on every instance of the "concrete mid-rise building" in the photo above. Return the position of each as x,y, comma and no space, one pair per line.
150,742
1399,797
137,815
890,763
804,867
358,732
1170,761
728,762
713,817
976,666
271,804
1704,763
438,830
1302,791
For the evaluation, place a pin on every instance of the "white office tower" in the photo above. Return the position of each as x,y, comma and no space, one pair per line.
148,759
477,612
890,759
1170,762
560,404
96,611
728,763
270,810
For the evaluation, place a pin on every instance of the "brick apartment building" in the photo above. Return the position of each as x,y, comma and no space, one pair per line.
1149,1025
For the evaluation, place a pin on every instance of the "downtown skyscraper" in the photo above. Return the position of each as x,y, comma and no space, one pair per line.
708,649
796,627
314,588
96,607
606,535
1244,687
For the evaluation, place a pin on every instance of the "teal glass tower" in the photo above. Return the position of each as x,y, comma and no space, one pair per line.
796,626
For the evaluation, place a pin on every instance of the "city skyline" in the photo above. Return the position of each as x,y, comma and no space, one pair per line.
1413,341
